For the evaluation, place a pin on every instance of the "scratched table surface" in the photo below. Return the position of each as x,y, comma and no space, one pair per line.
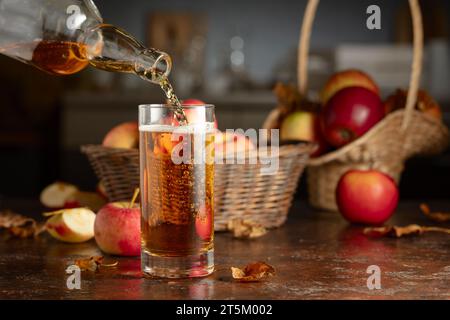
317,255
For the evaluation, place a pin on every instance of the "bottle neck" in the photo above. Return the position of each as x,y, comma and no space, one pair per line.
112,49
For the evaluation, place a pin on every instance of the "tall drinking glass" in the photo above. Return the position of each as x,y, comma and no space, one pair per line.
177,191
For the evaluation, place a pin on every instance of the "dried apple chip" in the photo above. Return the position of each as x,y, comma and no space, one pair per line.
28,230
20,226
245,229
10,219
253,272
435,216
93,263
398,232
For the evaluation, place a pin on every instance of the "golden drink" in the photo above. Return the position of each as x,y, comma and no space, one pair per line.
177,185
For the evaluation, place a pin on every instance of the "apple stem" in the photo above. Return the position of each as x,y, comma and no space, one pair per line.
53,213
346,135
135,195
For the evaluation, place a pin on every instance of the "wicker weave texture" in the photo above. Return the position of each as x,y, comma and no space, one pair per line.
240,190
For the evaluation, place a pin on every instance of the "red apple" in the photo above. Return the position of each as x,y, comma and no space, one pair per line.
349,114
117,229
344,79
204,222
368,197
319,139
303,126
125,135
196,115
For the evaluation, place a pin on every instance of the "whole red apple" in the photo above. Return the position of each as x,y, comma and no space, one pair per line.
349,114
117,229
368,197
344,79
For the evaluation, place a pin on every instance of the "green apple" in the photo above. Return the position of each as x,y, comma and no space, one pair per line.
299,125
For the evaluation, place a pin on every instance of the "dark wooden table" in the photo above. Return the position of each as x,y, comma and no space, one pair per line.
317,255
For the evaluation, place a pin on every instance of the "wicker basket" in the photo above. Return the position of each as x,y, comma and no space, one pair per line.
241,190
399,136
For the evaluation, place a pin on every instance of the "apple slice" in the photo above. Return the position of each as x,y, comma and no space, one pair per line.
71,225
57,194
91,200
203,222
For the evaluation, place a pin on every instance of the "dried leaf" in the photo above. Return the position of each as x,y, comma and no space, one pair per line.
93,263
435,216
253,272
246,229
30,229
10,219
20,226
398,232
290,99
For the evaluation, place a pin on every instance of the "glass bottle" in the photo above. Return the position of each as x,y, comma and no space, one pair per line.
64,36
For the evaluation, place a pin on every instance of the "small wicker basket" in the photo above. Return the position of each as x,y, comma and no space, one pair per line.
399,136
241,190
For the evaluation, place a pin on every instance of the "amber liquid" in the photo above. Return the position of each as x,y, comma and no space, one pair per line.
59,57
173,100
177,203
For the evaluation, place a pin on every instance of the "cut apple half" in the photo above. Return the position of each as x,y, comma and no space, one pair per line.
71,225
57,194
91,200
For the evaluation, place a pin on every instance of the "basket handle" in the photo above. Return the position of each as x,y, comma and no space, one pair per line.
416,66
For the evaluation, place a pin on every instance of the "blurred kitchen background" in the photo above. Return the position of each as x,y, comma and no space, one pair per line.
229,53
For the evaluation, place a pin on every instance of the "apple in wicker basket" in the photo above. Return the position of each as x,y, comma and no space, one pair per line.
303,126
344,79
366,196
425,103
124,135
349,114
